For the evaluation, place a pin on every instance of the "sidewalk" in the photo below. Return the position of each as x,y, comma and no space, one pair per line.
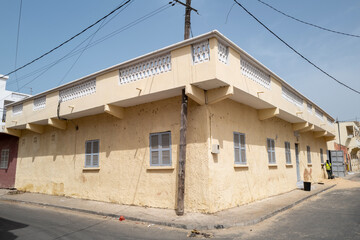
248,214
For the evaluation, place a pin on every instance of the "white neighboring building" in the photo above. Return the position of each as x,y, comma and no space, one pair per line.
7,97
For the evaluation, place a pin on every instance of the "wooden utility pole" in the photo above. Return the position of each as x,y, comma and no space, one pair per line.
183,127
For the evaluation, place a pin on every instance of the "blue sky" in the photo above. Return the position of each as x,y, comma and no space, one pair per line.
45,24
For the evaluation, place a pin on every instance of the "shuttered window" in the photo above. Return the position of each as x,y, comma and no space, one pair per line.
92,153
271,151
239,148
4,161
321,155
308,154
160,149
287,153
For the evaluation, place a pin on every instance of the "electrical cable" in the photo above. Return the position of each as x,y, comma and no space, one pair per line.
306,59
68,40
90,40
129,25
17,42
307,23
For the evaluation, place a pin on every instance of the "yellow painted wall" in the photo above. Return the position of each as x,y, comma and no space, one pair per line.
231,186
47,163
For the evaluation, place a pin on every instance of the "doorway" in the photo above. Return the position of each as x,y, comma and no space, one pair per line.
297,162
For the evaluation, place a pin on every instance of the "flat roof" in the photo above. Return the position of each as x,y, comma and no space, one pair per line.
214,33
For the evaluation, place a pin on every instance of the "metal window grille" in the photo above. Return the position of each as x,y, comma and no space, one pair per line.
308,154
92,153
287,152
4,161
271,151
239,148
160,149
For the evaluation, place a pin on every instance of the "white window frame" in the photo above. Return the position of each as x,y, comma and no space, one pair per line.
270,143
287,153
321,155
4,161
92,154
239,149
308,153
160,149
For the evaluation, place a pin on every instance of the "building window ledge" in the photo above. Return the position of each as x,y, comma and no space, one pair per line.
160,168
309,164
241,166
289,165
88,169
273,165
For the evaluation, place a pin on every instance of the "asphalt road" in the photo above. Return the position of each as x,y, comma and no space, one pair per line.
21,221
331,215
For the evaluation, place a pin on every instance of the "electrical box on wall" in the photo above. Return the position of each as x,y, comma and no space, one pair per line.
215,149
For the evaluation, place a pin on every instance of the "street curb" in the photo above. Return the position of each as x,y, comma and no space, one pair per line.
170,224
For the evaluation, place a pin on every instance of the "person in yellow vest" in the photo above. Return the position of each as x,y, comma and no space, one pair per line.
328,169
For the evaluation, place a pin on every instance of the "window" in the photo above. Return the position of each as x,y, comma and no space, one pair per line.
308,154
92,153
160,149
4,161
287,153
271,150
239,148
321,155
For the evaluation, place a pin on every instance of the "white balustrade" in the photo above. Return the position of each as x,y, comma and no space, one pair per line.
78,91
146,69
309,107
201,52
329,121
292,97
319,114
223,53
255,74
39,103
17,109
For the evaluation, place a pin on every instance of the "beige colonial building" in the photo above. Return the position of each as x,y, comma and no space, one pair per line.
114,135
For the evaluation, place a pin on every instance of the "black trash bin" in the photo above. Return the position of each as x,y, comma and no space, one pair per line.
307,186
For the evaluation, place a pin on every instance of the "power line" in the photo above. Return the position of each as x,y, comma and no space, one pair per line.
119,30
17,43
76,35
90,40
131,24
302,56
307,23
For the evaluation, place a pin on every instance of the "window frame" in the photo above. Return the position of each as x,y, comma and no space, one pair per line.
240,148
2,164
308,153
287,152
160,149
271,150
92,154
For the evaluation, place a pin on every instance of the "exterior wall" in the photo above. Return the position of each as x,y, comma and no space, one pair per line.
7,176
232,186
53,162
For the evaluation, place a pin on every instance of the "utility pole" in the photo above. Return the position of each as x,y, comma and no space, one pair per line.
183,124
